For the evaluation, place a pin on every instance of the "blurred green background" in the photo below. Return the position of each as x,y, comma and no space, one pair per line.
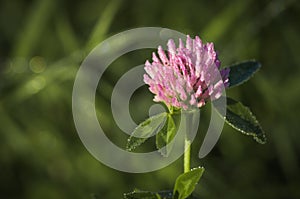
43,43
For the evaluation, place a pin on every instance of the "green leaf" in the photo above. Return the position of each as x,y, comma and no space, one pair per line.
165,136
242,119
137,194
145,130
104,22
241,72
168,194
40,15
186,182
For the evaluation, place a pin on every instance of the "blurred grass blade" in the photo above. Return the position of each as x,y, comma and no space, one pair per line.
32,31
66,35
103,24
222,22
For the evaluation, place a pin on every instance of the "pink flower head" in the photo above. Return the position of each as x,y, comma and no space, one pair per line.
187,76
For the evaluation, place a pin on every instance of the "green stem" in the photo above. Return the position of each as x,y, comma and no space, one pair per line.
187,143
187,155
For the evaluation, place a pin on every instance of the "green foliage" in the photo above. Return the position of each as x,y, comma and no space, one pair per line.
137,194
241,72
163,125
242,119
165,136
41,155
145,130
186,182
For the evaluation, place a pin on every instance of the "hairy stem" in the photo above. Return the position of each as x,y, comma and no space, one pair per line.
187,155
187,143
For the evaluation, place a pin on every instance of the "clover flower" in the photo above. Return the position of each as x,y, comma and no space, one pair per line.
187,76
